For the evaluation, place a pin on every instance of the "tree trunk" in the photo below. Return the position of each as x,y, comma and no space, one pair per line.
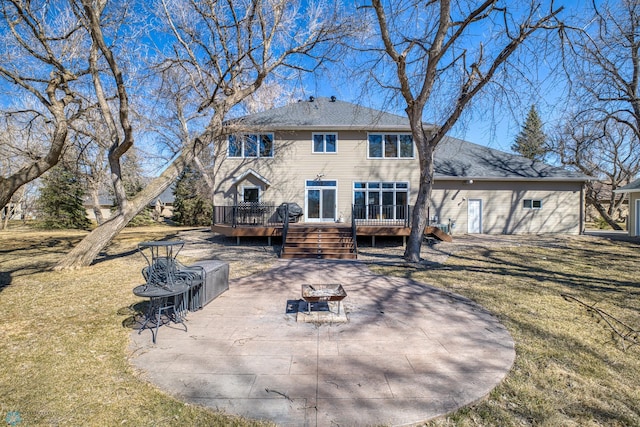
5,222
88,249
205,174
603,213
420,215
11,184
97,211
11,208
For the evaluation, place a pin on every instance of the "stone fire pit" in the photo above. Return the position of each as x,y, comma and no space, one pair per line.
332,294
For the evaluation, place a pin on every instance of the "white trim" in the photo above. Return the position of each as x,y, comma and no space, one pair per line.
244,136
532,207
255,174
324,143
469,230
395,190
320,187
382,134
250,187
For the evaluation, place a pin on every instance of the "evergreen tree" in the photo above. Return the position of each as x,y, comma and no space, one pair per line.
531,141
191,206
61,200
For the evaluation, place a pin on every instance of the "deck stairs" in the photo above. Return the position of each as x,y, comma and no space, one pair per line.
437,233
319,242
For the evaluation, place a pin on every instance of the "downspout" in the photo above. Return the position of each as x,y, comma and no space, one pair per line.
582,208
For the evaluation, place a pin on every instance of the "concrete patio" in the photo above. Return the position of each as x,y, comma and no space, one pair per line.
408,353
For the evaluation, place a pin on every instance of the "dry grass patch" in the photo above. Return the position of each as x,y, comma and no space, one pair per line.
63,343
569,370
64,340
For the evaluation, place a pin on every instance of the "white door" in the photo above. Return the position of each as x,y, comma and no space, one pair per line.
474,216
321,201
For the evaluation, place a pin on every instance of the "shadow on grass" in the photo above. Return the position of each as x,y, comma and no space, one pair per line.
135,314
103,257
500,262
5,279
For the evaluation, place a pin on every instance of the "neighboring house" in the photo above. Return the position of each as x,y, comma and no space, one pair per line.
162,205
106,203
340,162
14,211
633,190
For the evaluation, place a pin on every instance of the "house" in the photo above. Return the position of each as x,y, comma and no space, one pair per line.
345,163
633,190
162,205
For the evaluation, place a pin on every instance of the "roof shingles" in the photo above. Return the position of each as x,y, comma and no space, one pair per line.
454,158
324,113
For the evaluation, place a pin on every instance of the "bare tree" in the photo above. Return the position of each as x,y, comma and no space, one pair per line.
225,50
41,68
14,208
433,51
608,151
88,146
601,135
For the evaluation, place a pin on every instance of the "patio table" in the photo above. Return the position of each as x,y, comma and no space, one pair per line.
171,287
162,299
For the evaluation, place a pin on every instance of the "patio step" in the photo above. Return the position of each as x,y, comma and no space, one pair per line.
319,242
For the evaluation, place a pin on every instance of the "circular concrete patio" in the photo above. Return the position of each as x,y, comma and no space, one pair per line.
409,352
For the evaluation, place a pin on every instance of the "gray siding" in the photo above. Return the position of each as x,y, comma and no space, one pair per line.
632,225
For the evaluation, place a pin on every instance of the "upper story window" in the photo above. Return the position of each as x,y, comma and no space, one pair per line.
325,142
390,146
252,145
532,204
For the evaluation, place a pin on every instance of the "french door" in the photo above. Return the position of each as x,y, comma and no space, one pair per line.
321,201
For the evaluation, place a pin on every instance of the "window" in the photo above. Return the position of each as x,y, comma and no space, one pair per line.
390,146
319,183
247,146
251,194
381,200
532,204
375,146
325,143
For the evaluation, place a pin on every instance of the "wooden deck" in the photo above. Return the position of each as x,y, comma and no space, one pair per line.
247,230
362,230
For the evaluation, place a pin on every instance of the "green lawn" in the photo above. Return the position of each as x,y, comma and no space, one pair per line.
64,340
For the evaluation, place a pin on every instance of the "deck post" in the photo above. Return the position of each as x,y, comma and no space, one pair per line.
404,240
373,241
238,240
269,240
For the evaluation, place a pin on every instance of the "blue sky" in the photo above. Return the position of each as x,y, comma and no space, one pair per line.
491,124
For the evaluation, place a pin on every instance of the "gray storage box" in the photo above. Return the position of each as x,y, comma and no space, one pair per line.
216,279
